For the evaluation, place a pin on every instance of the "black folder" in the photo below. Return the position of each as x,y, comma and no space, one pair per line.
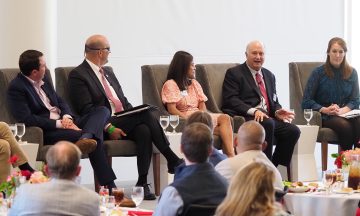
134,110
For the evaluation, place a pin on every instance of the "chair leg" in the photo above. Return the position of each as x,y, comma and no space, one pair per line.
156,171
339,149
324,155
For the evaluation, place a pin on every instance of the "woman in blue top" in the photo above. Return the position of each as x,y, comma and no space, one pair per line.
333,89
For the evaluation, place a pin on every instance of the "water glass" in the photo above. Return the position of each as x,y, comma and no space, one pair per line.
20,130
164,122
174,122
308,114
329,178
110,202
137,195
13,129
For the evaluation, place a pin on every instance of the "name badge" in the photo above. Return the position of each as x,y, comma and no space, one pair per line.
184,93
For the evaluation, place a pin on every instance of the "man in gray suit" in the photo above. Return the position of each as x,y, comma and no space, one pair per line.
61,195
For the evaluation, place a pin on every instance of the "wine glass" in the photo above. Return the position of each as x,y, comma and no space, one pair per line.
20,130
137,195
164,122
174,122
308,114
328,179
13,129
110,203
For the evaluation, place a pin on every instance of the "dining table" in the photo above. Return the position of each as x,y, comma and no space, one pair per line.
321,203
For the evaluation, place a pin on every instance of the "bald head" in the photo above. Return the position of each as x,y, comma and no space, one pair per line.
63,160
251,136
252,44
97,49
255,55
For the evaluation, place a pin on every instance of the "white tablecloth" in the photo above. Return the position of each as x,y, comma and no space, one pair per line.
318,203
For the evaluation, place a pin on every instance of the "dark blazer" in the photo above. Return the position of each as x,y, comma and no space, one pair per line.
86,91
240,92
26,106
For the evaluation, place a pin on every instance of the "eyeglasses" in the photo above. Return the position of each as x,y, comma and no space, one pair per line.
91,48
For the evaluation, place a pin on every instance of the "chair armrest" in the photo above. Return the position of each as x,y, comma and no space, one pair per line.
238,121
34,135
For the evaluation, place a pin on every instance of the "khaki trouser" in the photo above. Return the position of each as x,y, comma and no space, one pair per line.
9,147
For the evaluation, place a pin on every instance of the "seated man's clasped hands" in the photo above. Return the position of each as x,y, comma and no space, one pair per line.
32,99
94,87
249,90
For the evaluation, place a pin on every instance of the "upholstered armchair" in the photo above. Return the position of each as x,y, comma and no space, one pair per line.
211,78
153,78
113,148
32,134
299,73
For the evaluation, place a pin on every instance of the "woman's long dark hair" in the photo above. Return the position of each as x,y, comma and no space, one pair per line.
345,68
179,68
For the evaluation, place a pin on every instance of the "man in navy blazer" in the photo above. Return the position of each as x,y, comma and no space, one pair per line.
88,83
249,90
32,99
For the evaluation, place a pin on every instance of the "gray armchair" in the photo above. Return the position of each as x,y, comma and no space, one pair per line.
299,73
153,78
113,148
211,78
32,134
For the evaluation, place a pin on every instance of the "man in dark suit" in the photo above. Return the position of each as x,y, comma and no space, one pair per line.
249,90
92,86
32,99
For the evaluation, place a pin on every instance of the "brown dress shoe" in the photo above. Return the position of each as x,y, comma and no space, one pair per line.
86,146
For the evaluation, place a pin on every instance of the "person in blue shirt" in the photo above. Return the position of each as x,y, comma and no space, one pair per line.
333,90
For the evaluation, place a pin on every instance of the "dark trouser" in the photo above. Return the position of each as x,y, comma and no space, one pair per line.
91,123
284,136
348,130
144,129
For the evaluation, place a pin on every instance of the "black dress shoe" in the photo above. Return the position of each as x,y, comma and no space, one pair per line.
147,193
172,166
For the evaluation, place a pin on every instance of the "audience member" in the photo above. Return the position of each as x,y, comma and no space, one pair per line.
333,90
197,182
249,143
249,90
32,99
204,117
9,147
251,192
183,95
93,86
61,195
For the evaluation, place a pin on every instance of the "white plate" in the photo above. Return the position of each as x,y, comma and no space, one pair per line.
301,189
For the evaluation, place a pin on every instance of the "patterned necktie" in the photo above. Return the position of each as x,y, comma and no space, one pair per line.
117,103
262,88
